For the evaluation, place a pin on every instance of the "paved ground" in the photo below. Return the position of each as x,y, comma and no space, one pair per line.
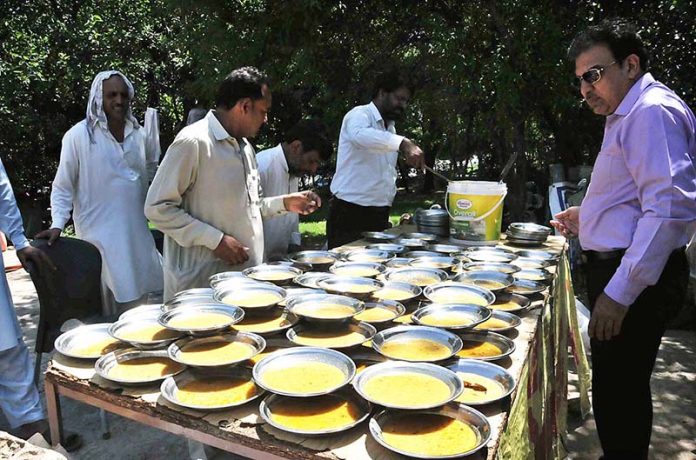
674,391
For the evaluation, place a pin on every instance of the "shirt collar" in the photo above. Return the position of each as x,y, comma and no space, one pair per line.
127,130
221,134
216,128
378,116
284,161
633,94
375,112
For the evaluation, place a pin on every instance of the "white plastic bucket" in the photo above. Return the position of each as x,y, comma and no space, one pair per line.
476,211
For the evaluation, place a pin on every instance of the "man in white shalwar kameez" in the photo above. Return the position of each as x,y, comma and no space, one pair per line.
103,178
19,398
305,146
206,197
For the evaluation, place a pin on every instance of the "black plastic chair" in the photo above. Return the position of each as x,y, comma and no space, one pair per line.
72,291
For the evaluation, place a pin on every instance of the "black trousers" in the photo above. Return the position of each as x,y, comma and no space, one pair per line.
347,221
622,366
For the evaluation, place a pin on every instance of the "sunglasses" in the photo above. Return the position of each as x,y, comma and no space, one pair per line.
593,75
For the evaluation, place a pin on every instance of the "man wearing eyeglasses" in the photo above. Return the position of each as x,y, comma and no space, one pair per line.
633,225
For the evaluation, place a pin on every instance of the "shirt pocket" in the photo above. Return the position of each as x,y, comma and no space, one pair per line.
602,179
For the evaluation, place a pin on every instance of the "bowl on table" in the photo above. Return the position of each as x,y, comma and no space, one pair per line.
381,312
133,366
352,286
508,269
490,255
203,319
147,310
444,248
420,277
89,341
250,296
341,337
534,274
397,291
325,308
311,279
454,292
412,244
359,269
509,302
526,287
320,415
486,346
293,291
368,255
427,237
189,300
432,433
440,262
500,321
408,386
304,371
451,316
389,247
314,260
379,237
218,350
276,274
416,343
143,332
211,389
492,280
222,277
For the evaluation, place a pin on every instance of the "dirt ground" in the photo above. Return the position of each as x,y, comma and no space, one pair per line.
673,384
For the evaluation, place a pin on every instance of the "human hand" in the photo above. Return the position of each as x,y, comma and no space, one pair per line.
607,318
567,222
302,202
413,154
231,251
35,256
51,235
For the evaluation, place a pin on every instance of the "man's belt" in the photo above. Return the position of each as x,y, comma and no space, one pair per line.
596,256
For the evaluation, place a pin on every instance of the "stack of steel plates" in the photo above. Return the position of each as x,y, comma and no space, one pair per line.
527,234
435,221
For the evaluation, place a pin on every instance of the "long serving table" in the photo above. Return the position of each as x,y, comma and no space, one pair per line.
530,423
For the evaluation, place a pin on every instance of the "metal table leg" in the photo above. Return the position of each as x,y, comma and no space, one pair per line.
106,434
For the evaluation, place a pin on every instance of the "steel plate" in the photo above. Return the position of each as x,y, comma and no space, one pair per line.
388,368
290,357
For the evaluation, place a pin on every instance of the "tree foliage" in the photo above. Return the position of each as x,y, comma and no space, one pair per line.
493,76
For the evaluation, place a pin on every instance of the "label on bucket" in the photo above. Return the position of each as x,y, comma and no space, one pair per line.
464,204
476,216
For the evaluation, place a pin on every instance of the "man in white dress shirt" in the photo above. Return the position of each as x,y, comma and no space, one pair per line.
364,185
19,398
102,178
305,146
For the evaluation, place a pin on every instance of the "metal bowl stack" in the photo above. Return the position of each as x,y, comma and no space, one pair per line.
527,234
435,221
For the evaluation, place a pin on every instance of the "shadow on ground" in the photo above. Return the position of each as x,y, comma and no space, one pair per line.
674,405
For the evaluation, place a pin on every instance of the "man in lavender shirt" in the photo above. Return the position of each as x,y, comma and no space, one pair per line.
633,225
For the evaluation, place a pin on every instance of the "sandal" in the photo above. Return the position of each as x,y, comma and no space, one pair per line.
71,441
